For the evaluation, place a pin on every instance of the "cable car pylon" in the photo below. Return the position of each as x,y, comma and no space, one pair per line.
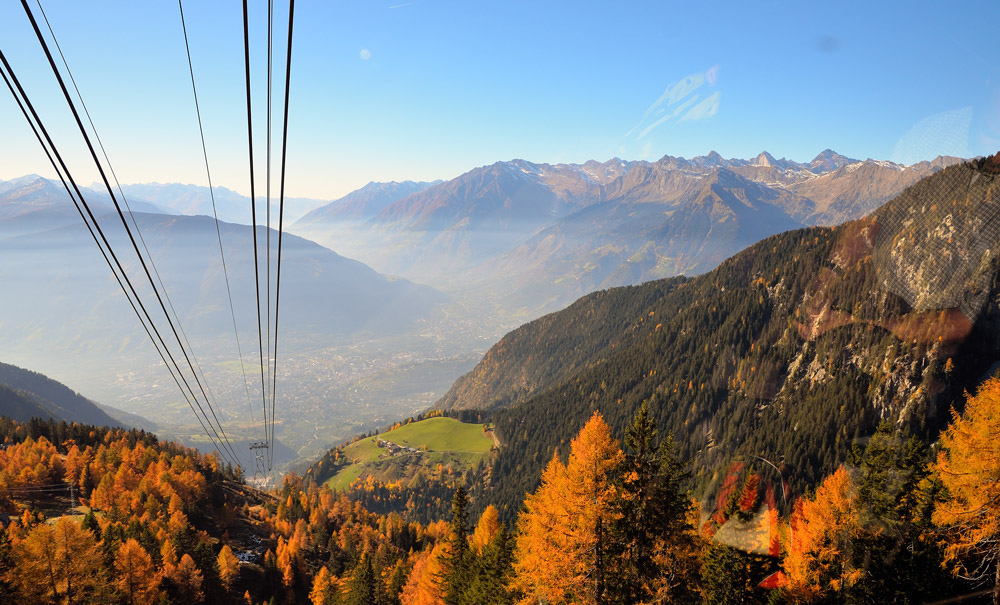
255,449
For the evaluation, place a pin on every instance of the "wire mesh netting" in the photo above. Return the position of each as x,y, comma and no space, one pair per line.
935,249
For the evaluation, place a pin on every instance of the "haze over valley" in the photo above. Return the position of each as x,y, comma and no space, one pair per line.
346,329
478,255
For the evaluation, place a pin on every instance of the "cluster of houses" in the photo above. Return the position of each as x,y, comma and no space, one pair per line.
392,449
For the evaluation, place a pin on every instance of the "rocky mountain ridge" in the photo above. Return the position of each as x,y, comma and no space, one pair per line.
558,231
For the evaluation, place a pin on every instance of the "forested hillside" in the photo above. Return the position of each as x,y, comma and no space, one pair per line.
790,351
98,515
25,395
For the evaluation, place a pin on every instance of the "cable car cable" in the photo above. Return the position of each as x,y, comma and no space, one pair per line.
121,215
215,213
281,205
253,213
94,235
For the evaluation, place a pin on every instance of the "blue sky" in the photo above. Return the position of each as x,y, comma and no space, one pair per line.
425,89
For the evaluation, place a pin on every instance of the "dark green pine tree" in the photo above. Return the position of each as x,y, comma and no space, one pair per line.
366,586
85,481
456,564
395,584
895,548
490,572
730,576
205,558
651,512
111,539
90,522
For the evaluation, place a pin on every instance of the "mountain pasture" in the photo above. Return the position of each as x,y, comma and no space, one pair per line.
398,453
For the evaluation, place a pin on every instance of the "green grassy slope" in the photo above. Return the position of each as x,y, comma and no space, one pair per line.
440,435
438,440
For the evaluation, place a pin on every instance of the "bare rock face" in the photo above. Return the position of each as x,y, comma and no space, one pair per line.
924,267
937,251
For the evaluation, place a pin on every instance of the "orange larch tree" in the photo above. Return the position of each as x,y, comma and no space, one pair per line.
423,586
487,528
820,529
34,573
135,575
229,567
185,579
557,557
323,588
968,467
56,562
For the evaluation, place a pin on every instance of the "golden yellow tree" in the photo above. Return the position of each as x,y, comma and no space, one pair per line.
487,528
561,531
323,588
423,585
135,575
186,579
168,552
969,469
57,562
79,558
34,573
229,567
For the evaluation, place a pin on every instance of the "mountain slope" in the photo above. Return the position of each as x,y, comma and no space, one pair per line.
25,394
21,406
479,214
364,203
645,237
790,350
340,321
67,289
31,204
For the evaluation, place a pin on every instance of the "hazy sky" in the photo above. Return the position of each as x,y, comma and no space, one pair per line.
426,89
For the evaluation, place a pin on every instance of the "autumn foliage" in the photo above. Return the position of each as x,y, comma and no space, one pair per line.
817,560
610,522
559,533
968,467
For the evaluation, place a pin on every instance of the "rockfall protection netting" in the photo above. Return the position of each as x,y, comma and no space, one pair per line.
936,250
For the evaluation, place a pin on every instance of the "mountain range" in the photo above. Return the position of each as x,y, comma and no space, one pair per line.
537,236
191,200
325,293
31,203
506,242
